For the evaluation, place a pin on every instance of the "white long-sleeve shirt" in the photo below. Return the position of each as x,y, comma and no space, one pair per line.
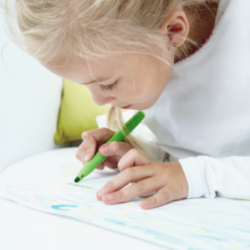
202,118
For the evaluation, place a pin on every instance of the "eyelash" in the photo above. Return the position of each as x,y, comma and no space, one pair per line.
109,87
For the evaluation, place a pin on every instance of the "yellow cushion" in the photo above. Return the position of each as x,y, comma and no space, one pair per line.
77,113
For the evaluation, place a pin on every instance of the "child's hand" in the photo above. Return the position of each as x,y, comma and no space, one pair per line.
93,141
167,179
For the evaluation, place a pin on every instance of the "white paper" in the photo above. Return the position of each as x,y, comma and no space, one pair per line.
188,224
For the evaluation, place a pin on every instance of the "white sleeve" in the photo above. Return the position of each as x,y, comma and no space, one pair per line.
226,177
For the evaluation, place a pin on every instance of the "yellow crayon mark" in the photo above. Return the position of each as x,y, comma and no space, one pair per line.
125,214
241,200
145,212
84,201
235,247
150,223
89,210
205,221
200,230
166,232
131,205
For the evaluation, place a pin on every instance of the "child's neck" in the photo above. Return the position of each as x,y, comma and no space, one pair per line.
201,27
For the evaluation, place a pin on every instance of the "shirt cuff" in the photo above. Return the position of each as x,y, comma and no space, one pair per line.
197,174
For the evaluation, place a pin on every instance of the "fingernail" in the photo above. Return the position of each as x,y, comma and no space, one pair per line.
110,197
145,202
104,150
100,193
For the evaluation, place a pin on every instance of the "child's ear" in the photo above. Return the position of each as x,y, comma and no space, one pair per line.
176,27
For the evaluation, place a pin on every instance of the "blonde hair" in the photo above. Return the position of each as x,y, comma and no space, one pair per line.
50,30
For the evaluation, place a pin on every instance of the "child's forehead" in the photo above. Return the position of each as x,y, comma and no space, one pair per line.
81,70
104,62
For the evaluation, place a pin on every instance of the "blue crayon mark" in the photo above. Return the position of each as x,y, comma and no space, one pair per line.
62,207
115,221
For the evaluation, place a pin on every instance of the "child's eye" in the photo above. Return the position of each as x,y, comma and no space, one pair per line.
108,87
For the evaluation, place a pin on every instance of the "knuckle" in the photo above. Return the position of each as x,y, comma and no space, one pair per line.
106,130
115,146
167,192
153,201
141,186
120,195
110,185
129,172
134,152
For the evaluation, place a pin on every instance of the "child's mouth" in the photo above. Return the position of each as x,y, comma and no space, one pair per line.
127,107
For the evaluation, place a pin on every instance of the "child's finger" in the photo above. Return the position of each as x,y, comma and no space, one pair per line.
101,135
133,158
91,138
143,187
114,148
129,175
80,153
162,197
90,147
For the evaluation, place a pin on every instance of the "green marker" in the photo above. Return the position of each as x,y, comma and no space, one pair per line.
120,135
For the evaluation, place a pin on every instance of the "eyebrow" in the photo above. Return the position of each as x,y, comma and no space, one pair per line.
93,81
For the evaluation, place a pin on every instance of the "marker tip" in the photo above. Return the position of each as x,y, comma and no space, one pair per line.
77,179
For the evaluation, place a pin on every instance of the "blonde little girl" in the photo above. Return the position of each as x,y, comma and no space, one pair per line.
185,63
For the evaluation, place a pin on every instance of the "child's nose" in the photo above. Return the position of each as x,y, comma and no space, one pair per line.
101,100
